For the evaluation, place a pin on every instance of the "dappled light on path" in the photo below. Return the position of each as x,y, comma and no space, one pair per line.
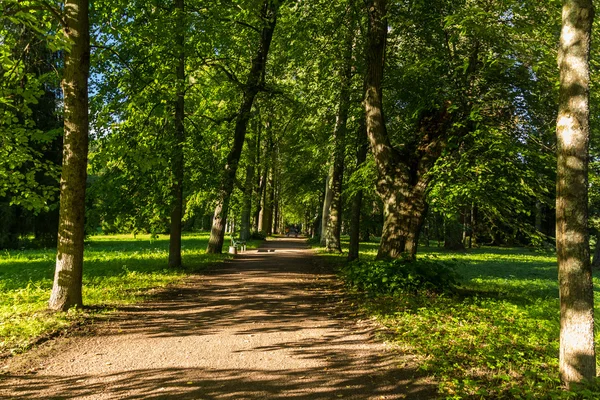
264,325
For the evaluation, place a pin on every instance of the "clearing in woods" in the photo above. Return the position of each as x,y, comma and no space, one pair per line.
265,325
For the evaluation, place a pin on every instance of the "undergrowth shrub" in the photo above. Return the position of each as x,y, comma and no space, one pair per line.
401,275
258,235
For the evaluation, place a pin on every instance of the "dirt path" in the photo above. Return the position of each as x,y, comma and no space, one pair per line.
266,325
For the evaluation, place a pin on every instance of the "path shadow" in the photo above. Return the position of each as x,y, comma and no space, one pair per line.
310,347
338,382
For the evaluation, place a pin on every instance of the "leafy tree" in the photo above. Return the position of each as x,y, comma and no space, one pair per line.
254,81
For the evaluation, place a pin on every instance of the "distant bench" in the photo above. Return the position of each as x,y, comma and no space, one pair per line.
237,244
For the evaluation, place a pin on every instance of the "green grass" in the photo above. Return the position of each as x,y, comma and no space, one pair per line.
118,269
496,338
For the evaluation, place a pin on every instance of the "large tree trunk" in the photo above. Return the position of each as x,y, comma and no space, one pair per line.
577,361
253,84
178,161
402,175
404,212
66,291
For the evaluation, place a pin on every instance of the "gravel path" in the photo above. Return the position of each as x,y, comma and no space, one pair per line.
266,325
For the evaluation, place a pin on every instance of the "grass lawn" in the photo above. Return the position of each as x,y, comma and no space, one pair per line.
496,338
118,269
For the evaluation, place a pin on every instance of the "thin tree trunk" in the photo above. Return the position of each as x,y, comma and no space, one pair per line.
596,259
253,85
248,192
577,361
361,157
538,215
247,203
326,207
178,161
66,290
334,223
258,187
453,234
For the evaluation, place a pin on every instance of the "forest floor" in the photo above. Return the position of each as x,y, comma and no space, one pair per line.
268,324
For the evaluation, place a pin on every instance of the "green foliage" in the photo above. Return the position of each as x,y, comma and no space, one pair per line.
401,275
258,235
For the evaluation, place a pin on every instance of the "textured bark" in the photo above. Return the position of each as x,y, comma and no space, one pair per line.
178,161
66,291
402,175
253,84
577,360
361,157
334,222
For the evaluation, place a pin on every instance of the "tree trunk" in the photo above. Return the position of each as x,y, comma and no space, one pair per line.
326,207
258,187
247,203
577,361
268,213
453,239
402,174
248,192
596,259
253,85
334,223
361,157
178,161
403,219
66,291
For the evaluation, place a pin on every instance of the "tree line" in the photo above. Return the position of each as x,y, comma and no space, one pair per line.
408,120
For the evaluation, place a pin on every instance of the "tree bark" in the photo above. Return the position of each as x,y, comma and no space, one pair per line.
247,203
66,290
334,222
577,360
402,175
326,207
253,84
178,161
361,157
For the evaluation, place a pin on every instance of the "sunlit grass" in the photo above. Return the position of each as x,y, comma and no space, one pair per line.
118,269
495,337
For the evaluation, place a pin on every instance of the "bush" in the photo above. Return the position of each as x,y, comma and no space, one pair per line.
258,235
401,275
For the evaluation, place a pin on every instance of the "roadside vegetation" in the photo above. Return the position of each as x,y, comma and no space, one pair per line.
119,269
492,333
